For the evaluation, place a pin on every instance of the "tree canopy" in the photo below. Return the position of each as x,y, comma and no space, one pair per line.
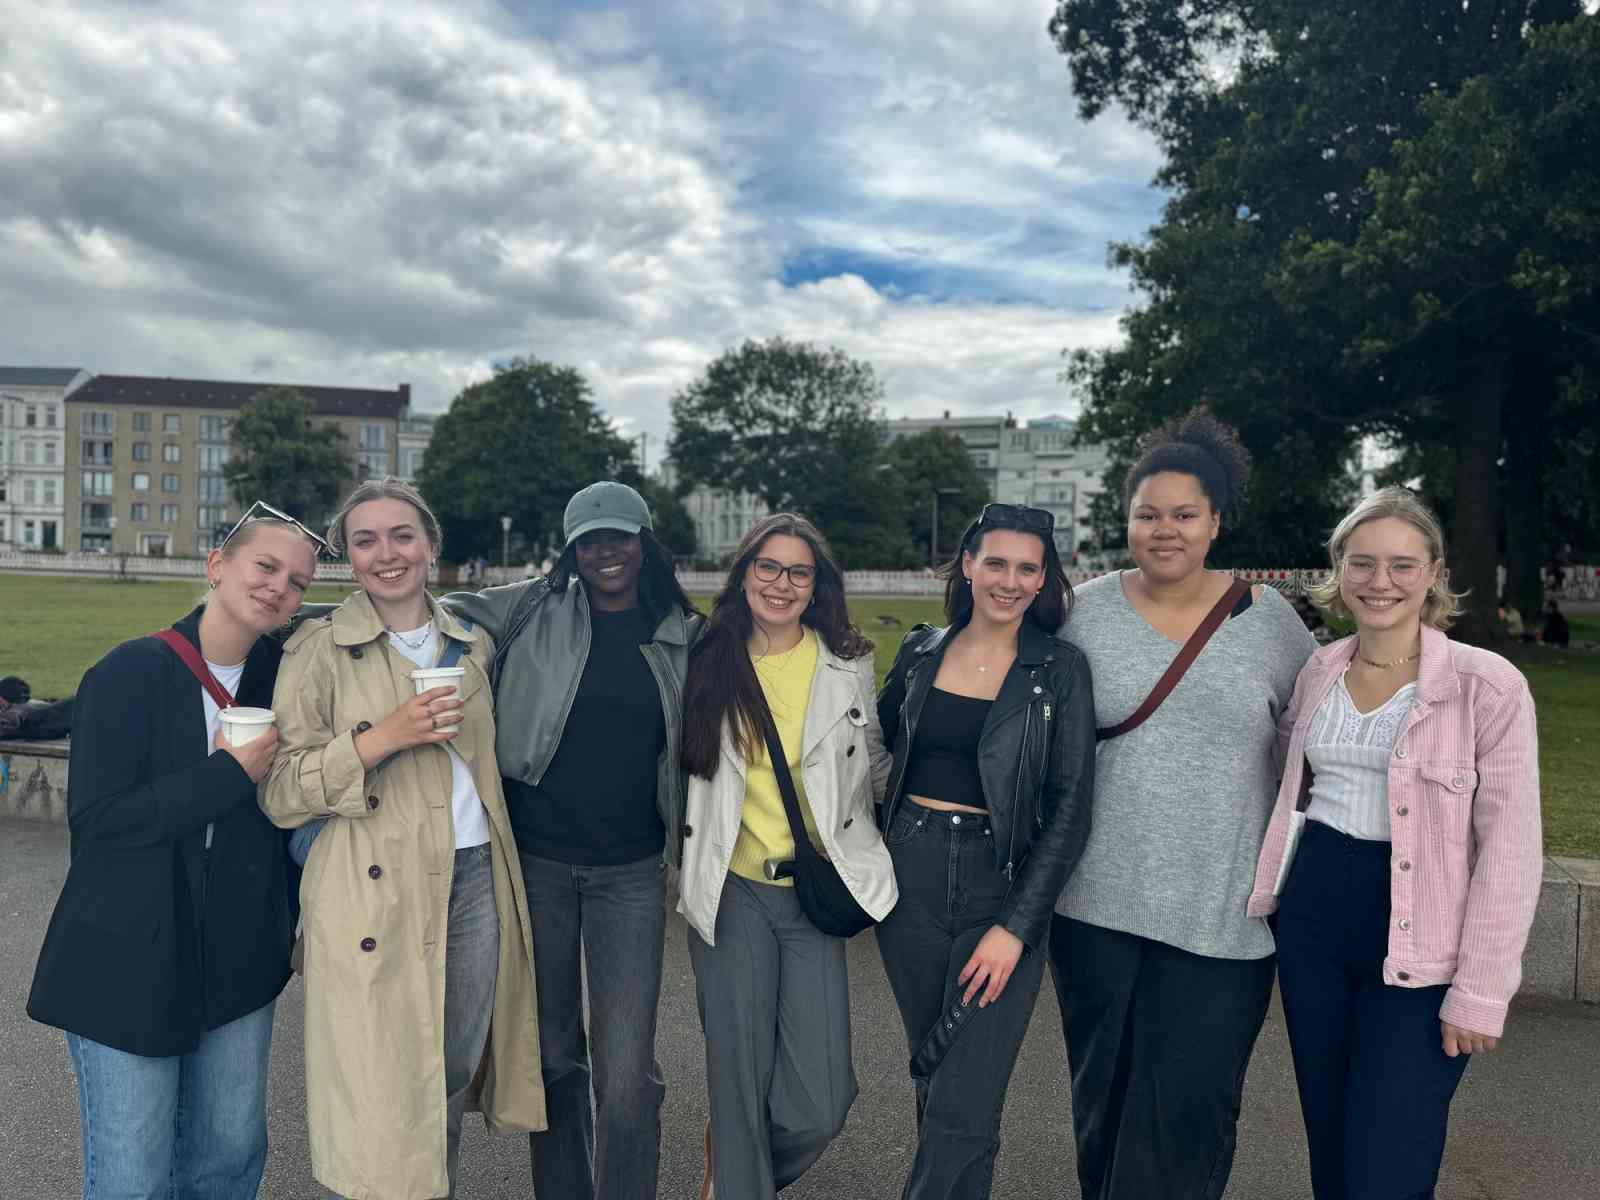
279,455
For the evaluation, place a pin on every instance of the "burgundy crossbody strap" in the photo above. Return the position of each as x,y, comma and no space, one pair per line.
1191,651
184,649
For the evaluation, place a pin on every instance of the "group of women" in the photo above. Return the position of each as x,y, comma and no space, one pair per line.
1156,785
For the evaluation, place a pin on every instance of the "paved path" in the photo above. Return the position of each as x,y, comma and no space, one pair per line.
1527,1120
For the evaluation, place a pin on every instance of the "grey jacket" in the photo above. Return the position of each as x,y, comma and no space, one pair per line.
540,667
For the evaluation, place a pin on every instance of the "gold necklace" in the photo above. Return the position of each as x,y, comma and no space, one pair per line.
1384,666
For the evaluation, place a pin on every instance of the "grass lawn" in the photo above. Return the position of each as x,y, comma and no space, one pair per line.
52,629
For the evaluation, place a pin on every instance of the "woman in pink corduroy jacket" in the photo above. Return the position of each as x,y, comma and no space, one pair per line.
1411,776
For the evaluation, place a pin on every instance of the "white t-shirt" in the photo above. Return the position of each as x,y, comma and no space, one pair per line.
466,808
229,678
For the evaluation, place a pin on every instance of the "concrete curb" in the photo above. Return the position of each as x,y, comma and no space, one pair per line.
1562,960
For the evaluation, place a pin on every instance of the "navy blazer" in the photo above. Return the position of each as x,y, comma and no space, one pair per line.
156,938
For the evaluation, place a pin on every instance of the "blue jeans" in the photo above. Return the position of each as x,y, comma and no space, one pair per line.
607,925
189,1127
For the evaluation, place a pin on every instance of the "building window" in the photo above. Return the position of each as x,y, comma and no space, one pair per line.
411,462
97,453
30,453
97,483
172,423
98,421
49,454
49,489
50,419
373,437
141,452
32,417
211,515
171,452
30,491
213,458
213,429
169,514
211,488
29,538
171,484
96,515
141,422
141,481
139,511
372,464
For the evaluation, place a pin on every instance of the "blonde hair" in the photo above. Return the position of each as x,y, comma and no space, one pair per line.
387,488
1441,605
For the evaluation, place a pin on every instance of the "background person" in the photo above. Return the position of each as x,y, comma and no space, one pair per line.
590,717
170,942
991,720
773,993
418,954
1407,905
1162,979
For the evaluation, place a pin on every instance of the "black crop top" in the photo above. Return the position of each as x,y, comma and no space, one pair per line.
944,757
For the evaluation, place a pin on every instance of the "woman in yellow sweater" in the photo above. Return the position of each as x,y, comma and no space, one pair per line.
779,641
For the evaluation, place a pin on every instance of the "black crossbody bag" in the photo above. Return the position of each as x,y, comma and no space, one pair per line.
824,898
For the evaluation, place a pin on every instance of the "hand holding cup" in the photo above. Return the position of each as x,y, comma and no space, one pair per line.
251,737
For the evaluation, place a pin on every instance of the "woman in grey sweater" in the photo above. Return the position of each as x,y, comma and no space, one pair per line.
1162,979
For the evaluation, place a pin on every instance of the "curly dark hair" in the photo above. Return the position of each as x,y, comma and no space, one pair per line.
722,688
1194,444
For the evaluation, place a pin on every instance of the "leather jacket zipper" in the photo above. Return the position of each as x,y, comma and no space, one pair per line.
1016,797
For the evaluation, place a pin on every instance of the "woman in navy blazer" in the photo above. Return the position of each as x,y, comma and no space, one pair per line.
170,941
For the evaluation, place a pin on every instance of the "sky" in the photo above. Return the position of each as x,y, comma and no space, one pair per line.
359,194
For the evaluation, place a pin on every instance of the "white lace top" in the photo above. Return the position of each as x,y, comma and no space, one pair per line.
1349,753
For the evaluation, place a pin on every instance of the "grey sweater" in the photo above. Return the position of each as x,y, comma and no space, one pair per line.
1181,802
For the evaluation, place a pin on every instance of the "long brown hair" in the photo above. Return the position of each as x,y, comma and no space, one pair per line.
722,689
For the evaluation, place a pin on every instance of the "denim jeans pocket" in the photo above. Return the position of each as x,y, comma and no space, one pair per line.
904,827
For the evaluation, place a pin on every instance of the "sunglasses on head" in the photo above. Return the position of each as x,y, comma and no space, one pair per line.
261,510
1016,516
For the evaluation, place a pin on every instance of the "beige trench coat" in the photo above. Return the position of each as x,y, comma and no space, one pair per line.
375,904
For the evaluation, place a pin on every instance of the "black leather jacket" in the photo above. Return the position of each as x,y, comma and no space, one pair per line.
1035,757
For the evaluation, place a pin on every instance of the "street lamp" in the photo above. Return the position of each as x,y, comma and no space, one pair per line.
505,542
933,539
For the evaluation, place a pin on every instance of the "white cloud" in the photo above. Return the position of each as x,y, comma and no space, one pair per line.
368,192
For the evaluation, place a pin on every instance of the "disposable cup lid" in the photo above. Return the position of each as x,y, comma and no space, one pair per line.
438,672
248,716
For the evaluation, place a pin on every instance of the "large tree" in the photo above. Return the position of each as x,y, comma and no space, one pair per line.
1276,119
518,445
801,427
282,456
935,468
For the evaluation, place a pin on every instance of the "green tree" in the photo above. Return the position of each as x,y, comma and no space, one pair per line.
281,456
519,445
673,526
1277,119
932,464
801,427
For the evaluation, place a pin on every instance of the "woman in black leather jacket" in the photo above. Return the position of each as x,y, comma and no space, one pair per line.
991,721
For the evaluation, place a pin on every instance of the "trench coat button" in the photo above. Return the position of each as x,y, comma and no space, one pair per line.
855,714
849,821
1402,811
355,652
1404,923
850,750
688,830
1402,976
369,944
374,871
1404,865
372,802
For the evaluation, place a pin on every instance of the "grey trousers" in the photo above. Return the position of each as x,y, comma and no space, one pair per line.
775,1007
471,962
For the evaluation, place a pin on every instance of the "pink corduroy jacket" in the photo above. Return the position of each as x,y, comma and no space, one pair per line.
1468,857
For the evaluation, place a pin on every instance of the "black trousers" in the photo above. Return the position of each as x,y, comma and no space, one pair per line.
1158,1040
962,1056
1375,1083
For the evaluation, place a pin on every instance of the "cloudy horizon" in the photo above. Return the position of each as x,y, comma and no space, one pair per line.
363,194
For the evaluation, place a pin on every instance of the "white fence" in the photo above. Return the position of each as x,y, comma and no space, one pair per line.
1579,582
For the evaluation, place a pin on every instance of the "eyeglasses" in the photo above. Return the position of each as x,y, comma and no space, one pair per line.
1403,572
1017,516
261,510
801,575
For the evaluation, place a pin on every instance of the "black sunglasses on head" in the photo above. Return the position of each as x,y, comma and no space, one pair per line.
1016,516
262,510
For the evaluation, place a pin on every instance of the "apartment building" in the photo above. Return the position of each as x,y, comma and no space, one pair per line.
144,456
416,431
33,455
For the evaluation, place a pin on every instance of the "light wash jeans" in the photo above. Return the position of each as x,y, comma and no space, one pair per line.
608,922
188,1127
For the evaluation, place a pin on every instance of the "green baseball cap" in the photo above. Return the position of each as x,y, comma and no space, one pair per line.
605,505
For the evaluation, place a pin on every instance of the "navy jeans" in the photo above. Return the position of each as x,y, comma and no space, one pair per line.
604,926
962,1056
189,1127
1375,1083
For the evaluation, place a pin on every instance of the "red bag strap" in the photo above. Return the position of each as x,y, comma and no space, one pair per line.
184,649
1180,665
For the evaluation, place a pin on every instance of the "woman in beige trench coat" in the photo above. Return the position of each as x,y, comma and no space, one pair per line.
418,950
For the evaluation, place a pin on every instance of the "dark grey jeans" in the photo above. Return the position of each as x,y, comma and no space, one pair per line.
606,924
962,1056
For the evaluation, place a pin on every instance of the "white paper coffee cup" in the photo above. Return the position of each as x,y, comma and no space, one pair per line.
241,726
425,678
